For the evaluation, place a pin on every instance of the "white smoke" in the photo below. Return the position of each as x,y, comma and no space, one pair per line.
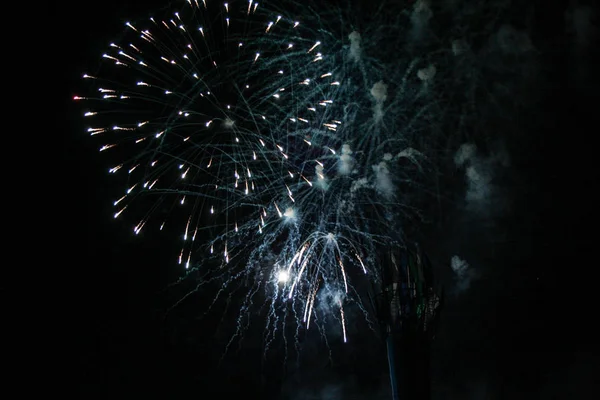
427,74
383,180
479,174
346,162
321,180
355,51
479,180
290,214
228,123
419,18
464,153
379,93
463,273
359,184
459,47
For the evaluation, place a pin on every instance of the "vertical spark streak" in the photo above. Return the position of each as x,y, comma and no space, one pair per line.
306,306
312,303
343,321
298,277
343,274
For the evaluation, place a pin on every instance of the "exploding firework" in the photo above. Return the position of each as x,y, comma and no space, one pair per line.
281,146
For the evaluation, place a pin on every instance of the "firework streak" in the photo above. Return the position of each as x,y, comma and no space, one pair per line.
270,141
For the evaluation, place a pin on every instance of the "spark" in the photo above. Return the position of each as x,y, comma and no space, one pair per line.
119,200
256,166
343,321
283,276
314,46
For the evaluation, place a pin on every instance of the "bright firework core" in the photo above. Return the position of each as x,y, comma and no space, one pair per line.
290,213
283,276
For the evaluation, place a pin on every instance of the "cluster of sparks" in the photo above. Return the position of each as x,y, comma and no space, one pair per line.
228,125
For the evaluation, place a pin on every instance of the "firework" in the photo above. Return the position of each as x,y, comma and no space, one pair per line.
281,147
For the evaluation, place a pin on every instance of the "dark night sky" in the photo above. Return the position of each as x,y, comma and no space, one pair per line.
523,329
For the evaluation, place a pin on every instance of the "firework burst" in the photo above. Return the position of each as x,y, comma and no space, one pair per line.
280,146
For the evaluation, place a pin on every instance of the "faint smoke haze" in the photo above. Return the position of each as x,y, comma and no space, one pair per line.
463,273
481,193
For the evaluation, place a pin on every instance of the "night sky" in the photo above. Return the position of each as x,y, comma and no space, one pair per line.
522,329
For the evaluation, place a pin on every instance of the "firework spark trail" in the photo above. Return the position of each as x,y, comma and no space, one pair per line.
343,320
266,163
281,147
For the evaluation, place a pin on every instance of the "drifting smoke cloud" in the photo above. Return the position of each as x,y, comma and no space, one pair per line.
355,51
481,194
463,273
379,93
426,76
383,179
419,18
321,180
346,161
464,153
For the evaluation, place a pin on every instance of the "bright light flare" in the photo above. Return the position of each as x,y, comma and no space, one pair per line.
283,276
